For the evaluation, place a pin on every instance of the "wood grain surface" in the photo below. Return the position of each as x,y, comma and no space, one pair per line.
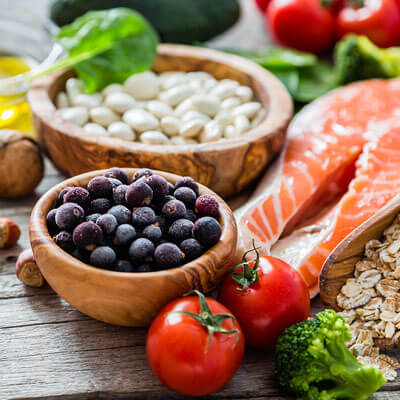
49,350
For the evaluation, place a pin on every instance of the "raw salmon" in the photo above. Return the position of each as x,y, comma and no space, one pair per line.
346,142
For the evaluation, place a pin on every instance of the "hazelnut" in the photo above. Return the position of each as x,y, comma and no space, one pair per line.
9,233
27,270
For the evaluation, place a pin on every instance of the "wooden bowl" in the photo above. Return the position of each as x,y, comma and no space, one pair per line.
128,299
226,167
340,265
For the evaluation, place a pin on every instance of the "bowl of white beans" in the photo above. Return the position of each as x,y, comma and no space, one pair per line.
213,116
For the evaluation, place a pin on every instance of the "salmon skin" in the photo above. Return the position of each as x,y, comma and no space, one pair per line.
337,169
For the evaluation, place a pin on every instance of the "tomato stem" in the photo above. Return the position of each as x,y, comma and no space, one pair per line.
248,274
213,322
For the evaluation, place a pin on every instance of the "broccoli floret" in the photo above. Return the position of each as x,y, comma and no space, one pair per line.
357,58
313,361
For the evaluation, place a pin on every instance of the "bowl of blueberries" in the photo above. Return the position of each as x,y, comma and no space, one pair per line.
119,244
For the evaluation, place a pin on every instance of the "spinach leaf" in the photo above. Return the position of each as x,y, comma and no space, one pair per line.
280,57
289,77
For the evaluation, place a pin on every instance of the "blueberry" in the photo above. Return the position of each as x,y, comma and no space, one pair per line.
93,217
159,186
103,257
124,235
167,198
180,230
186,196
207,231
139,194
100,206
117,173
153,233
108,223
122,214
144,268
87,235
168,255
143,216
141,251
192,249
174,209
69,215
162,223
119,194
51,222
124,266
100,186
60,199
115,183
64,240
189,182
191,215
79,196
81,255
171,188
207,205
144,172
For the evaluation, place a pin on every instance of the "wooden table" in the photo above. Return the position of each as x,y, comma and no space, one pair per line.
49,350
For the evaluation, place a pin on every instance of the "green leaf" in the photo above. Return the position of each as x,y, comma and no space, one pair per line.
280,57
289,77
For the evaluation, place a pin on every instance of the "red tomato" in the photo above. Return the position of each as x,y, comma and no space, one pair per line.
262,5
302,24
182,353
277,299
377,19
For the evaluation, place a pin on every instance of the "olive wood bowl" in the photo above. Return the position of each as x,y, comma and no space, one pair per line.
226,166
340,264
128,299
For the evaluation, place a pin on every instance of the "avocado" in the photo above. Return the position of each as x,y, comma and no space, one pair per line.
177,21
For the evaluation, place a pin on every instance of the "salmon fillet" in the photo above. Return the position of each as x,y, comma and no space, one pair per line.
304,187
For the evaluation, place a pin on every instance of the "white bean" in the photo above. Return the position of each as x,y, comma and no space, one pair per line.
211,132
143,86
206,104
191,128
199,75
159,109
87,100
184,107
224,117
244,93
210,84
170,125
191,141
62,100
77,115
174,79
195,115
74,86
259,117
176,94
96,129
231,132
178,140
113,88
140,120
224,89
230,102
242,123
247,109
103,116
121,130
196,85
154,137
120,102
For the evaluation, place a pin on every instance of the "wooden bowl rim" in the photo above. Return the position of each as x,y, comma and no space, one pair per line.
39,234
279,108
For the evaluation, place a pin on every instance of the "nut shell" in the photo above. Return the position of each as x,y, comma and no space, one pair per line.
9,233
27,270
21,164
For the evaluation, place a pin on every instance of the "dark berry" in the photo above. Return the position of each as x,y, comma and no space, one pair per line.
124,266
103,257
100,206
119,194
192,249
207,205
108,223
139,194
153,233
122,214
144,172
191,215
186,196
60,199
141,251
87,235
117,173
93,217
167,198
79,196
51,221
189,182
144,268
168,255
174,209
207,231
69,215
81,255
171,188
159,186
143,216
180,230
115,183
124,235
64,240
162,223
100,186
